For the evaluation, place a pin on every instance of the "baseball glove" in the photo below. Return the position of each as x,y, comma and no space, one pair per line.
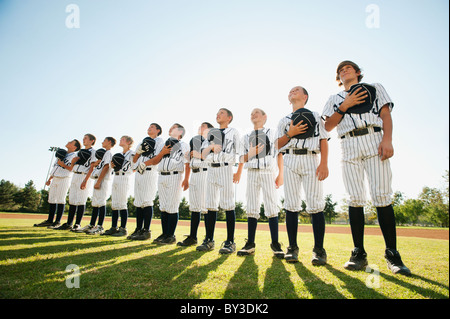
367,105
308,118
259,137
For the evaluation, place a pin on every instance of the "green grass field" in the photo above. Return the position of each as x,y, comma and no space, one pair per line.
33,264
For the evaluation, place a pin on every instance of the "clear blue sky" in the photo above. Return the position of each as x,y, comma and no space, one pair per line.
135,62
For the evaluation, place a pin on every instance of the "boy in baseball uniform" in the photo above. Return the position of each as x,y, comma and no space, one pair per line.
173,162
145,184
101,175
303,167
197,184
220,192
362,116
120,190
59,182
261,161
78,196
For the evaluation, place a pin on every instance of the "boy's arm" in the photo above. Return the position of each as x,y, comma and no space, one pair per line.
385,149
237,175
91,169
68,167
102,175
187,173
136,157
351,100
322,169
293,131
280,178
155,160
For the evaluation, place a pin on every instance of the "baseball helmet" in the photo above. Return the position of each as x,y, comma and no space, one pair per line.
216,136
307,117
196,143
118,159
100,153
259,137
148,146
60,153
367,105
84,156
173,143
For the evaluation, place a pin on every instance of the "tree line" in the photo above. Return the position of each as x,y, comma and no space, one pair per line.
431,208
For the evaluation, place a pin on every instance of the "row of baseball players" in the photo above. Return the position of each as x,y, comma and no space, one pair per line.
361,114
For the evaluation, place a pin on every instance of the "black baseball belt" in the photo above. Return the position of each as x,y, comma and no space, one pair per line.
169,173
362,131
197,170
298,151
218,164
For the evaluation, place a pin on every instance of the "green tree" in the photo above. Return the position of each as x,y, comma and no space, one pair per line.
435,207
183,209
329,210
28,197
8,192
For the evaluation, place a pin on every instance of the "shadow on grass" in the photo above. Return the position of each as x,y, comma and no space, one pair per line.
277,282
244,283
425,292
355,286
315,286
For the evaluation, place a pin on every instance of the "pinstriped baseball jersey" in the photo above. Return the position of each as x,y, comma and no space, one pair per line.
98,169
58,171
127,163
176,159
350,122
159,144
311,143
198,163
267,162
230,148
77,168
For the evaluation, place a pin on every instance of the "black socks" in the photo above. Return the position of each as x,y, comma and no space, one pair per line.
318,224
195,222
356,215
386,219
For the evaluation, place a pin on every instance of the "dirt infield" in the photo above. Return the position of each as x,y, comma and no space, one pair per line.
405,232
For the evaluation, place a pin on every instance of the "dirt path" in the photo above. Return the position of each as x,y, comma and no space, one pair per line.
406,232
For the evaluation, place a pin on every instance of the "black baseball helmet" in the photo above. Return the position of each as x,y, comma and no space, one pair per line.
307,117
148,146
367,105
118,159
216,136
60,153
259,137
173,143
84,156
100,153
196,143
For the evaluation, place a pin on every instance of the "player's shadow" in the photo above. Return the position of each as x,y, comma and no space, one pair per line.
315,286
427,293
277,282
244,283
355,286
